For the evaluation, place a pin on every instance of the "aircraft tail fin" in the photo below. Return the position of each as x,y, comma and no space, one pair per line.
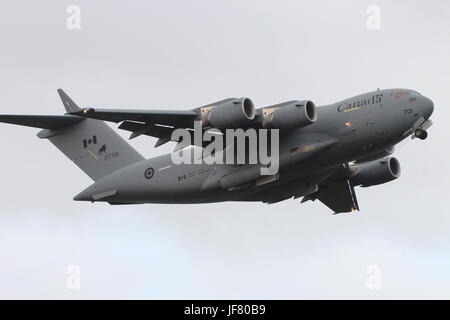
91,144
94,147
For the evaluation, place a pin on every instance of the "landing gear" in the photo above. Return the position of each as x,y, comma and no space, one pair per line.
421,134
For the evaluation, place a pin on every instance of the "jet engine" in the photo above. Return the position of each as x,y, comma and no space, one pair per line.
229,113
289,115
374,172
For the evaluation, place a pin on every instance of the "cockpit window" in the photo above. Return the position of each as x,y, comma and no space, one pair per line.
401,94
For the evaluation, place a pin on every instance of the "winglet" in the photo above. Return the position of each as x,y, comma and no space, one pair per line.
68,103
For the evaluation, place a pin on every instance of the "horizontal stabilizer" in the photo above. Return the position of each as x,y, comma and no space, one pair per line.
42,122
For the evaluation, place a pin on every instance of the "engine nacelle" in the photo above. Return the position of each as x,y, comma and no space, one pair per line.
374,172
228,114
292,115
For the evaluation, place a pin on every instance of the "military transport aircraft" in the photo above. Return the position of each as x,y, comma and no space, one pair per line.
324,152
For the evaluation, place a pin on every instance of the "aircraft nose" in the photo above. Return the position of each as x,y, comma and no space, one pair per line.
427,107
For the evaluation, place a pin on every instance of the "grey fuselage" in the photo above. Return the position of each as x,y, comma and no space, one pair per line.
348,130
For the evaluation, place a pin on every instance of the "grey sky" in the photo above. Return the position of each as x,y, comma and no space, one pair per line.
182,54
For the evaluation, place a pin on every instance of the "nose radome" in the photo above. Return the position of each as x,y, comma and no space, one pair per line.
427,107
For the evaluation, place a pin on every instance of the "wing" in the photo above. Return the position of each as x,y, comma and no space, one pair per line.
163,117
155,123
42,122
137,121
163,132
336,192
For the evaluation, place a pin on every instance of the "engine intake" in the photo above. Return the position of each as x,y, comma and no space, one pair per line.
290,115
228,114
374,172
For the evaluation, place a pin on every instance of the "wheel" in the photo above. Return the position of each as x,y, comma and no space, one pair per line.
421,134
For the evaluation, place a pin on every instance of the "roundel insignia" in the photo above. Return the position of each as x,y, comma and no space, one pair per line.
149,173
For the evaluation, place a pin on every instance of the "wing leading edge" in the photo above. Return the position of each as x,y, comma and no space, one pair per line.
41,121
154,123
164,117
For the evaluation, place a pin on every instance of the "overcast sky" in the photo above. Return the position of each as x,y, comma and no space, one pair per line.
182,54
